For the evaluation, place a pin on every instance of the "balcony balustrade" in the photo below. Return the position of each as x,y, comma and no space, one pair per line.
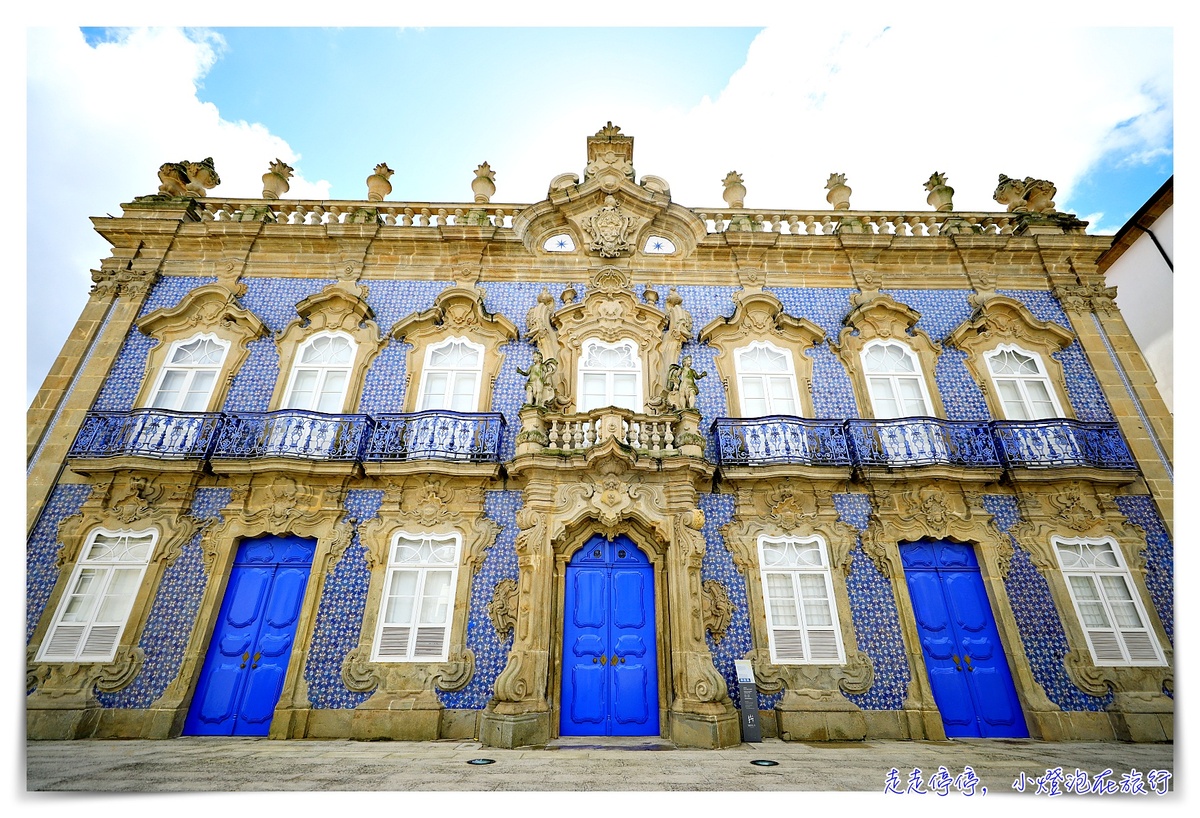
435,435
289,433
908,442
1061,443
154,433
781,439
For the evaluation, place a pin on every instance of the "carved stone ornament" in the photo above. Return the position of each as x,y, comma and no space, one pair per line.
717,608
609,229
187,179
1026,195
502,610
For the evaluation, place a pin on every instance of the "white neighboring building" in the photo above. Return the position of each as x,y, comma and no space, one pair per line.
1140,265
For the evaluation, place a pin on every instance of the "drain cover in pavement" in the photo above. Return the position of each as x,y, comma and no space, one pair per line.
764,762
478,761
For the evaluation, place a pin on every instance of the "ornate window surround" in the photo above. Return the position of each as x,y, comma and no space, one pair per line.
422,570
1042,377
341,308
170,366
637,371
824,571
210,310
1000,321
457,313
299,365
758,318
879,317
1121,570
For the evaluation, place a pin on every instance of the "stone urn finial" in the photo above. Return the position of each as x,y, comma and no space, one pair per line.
735,191
940,194
275,181
839,193
378,185
484,184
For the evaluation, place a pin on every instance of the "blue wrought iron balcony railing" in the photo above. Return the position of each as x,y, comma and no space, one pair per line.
436,435
920,441
1040,444
153,433
290,433
781,439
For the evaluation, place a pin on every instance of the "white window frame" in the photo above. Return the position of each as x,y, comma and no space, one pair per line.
639,395
1111,645
190,373
893,379
453,376
323,373
1022,382
79,632
793,643
408,638
768,379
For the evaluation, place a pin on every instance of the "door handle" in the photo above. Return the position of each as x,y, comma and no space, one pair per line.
618,660
957,666
603,660
967,659
245,656
257,656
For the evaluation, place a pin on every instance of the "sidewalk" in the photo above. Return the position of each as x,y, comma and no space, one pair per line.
203,764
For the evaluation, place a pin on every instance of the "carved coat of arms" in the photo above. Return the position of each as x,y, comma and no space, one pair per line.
609,229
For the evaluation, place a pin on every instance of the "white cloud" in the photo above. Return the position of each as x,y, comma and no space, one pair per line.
101,121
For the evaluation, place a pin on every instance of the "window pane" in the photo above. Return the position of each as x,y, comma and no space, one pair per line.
783,400
883,400
82,599
402,593
333,391
1121,601
118,599
464,393
167,396
437,384
782,599
435,600
1090,608
199,391
304,384
816,603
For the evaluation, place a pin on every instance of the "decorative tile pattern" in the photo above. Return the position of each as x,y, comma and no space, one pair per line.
499,562
1159,554
170,624
41,551
873,612
384,388
1042,304
340,612
718,564
1038,621
1087,399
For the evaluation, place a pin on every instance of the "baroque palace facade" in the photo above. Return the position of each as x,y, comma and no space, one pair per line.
373,469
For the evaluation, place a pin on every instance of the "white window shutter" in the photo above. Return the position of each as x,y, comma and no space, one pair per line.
789,644
393,642
1106,646
430,642
101,642
1141,647
822,644
64,640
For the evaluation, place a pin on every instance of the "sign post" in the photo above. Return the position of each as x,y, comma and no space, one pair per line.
748,698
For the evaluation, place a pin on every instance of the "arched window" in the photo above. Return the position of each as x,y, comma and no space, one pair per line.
92,614
186,381
894,381
1022,384
766,381
610,375
321,374
802,623
451,376
418,598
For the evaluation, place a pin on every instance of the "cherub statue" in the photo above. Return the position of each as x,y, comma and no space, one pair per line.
539,383
683,384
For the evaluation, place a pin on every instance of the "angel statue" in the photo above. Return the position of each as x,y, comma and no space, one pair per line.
539,383
682,384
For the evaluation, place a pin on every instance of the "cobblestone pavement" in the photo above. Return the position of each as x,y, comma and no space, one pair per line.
194,764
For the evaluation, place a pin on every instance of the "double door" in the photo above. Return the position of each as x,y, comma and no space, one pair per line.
610,660
243,672
968,671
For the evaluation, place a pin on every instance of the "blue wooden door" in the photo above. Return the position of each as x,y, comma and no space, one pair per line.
968,671
610,658
242,675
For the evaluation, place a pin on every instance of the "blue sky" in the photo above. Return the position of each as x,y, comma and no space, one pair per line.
784,104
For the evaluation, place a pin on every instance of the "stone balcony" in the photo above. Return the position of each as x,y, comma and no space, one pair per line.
655,436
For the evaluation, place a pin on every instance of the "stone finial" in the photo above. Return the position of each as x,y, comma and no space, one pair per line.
839,193
378,185
1026,195
484,183
735,191
187,179
275,180
609,129
940,194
